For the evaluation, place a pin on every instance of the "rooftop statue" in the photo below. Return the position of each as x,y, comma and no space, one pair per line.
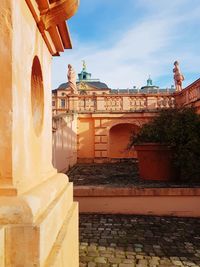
84,65
71,75
178,76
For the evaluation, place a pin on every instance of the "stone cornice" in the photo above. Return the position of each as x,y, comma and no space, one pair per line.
50,16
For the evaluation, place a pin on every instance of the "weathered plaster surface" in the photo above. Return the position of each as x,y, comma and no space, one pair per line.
34,199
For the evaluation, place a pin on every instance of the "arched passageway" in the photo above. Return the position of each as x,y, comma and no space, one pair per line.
119,136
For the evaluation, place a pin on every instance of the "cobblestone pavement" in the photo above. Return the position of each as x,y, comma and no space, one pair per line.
119,174
138,241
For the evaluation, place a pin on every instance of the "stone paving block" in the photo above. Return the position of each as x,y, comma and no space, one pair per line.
110,249
177,263
153,265
114,260
165,261
93,253
103,265
143,263
127,265
121,256
128,261
130,253
139,257
130,257
105,254
84,244
100,248
138,250
120,252
100,260
85,259
188,263
91,248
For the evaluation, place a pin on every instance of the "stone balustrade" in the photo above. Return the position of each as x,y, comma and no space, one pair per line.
112,103
190,96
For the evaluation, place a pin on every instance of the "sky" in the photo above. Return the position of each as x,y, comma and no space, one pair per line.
123,42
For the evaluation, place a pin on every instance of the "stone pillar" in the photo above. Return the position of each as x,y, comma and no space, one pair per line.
100,103
126,103
73,103
151,102
38,218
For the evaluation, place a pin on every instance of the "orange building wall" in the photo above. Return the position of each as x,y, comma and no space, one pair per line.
86,138
102,137
119,137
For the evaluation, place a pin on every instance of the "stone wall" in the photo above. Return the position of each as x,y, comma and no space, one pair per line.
97,140
190,96
38,217
64,141
112,103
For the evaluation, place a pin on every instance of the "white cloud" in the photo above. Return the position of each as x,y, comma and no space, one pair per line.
149,47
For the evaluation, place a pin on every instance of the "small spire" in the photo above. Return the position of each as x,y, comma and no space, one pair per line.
149,81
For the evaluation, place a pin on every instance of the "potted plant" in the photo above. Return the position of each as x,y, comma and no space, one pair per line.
169,146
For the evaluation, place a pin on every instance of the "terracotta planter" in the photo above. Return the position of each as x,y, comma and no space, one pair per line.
155,161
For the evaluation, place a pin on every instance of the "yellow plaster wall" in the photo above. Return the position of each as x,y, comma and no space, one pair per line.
86,138
2,247
32,219
5,92
65,250
31,153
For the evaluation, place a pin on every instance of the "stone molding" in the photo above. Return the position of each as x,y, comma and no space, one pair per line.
50,19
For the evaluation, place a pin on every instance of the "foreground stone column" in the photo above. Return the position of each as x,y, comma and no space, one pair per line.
38,218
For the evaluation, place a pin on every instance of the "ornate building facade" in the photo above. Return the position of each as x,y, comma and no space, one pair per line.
106,117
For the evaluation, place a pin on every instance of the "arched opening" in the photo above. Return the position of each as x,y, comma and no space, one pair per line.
37,96
119,136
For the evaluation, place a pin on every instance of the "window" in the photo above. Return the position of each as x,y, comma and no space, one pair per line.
62,103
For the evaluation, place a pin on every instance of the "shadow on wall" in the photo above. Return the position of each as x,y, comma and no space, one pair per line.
86,139
105,137
119,136
64,142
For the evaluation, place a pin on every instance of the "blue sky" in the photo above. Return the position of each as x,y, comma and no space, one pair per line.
123,42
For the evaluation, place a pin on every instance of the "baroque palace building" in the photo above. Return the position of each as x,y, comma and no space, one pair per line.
88,86
94,124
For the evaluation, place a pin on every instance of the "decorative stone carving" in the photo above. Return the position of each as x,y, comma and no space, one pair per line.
83,86
178,76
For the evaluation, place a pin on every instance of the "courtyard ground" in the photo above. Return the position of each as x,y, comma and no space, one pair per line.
128,240
138,241
118,174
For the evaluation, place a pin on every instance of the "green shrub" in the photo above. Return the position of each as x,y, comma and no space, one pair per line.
180,129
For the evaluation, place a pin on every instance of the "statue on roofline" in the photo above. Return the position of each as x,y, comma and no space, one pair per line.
178,77
84,65
71,75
